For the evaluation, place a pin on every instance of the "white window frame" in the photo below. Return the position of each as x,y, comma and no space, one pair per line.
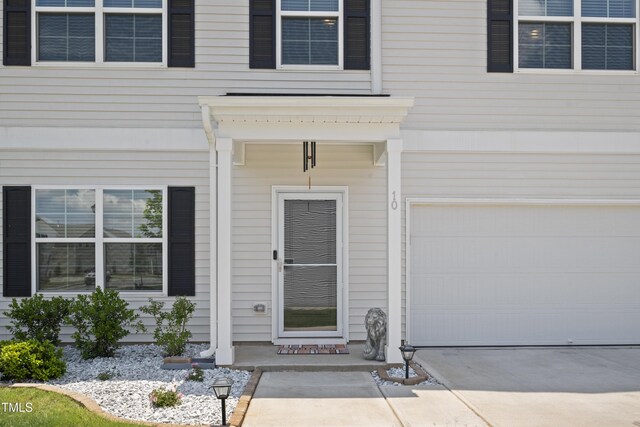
280,14
576,22
99,12
99,240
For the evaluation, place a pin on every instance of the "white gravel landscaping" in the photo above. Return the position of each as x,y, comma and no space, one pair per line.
136,372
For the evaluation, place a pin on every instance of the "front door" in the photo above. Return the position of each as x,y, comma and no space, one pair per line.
309,262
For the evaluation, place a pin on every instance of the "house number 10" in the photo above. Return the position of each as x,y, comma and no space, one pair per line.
394,202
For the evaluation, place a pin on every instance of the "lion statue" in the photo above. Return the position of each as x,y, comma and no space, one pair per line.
376,324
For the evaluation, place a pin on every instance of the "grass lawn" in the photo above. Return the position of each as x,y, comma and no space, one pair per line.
48,409
308,318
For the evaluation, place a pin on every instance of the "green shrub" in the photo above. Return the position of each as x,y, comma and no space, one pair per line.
30,360
161,397
173,335
197,374
101,320
105,376
37,318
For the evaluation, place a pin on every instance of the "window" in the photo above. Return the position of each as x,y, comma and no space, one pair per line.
309,32
112,238
102,31
577,34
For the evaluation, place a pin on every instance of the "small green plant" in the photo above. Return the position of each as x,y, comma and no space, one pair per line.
101,320
30,360
171,326
105,376
162,397
37,318
196,374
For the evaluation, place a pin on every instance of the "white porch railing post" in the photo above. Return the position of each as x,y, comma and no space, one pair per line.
394,250
224,349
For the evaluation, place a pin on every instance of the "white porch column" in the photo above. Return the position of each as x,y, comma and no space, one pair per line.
224,348
394,250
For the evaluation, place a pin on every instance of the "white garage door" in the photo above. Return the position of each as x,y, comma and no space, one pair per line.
525,274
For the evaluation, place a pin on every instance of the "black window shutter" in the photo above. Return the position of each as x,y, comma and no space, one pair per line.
16,247
181,33
16,32
262,34
182,248
500,36
356,35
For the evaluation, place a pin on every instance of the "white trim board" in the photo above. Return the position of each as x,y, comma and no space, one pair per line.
103,139
578,142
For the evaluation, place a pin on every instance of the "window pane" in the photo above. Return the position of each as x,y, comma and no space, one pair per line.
133,266
543,45
310,41
133,3
133,213
65,213
545,7
607,47
133,38
66,37
67,3
310,5
609,8
66,266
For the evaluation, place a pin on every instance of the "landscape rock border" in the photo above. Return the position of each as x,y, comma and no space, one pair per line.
237,417
422,375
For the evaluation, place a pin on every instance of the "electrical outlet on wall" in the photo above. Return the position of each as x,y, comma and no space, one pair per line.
260,308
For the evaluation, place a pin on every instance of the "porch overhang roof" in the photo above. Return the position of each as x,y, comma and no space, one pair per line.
291,118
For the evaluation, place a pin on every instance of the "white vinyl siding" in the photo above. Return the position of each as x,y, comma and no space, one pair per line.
121,169
268,165
537,176
145,95
437,52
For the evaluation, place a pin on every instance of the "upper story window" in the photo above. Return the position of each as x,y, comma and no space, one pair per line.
100,31
577,34
309,32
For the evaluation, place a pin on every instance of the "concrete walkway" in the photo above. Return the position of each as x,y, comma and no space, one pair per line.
339,399
318,399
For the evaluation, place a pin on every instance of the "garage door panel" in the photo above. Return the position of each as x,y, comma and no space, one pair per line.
527,254
525,286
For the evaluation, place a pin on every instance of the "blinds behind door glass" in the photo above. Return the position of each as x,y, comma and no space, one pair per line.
310,232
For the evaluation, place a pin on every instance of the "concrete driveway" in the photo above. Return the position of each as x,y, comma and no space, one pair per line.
539,387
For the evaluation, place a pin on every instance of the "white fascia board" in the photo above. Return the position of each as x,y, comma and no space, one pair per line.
578,142
100,139
307,109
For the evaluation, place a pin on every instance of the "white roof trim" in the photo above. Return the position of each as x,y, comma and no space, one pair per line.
236,115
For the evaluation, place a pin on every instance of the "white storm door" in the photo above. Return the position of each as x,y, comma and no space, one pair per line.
310,259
